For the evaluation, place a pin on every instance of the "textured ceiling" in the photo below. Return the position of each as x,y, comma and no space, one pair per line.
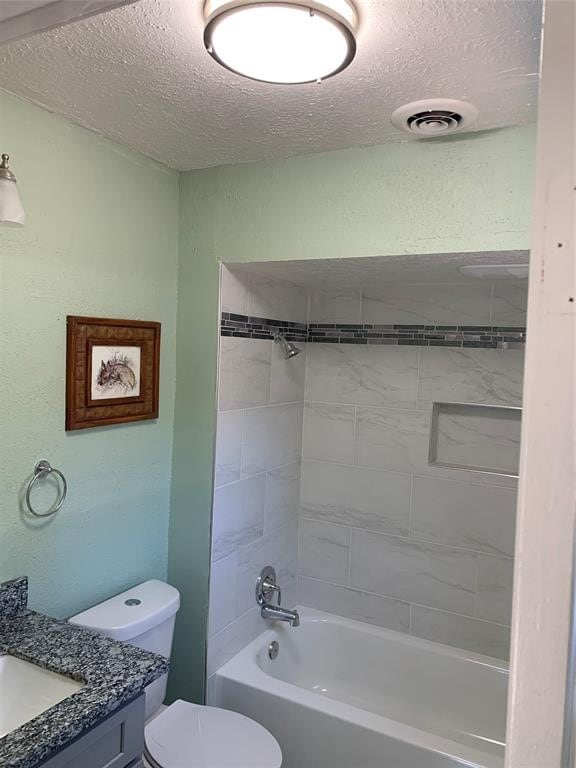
368,272
140,75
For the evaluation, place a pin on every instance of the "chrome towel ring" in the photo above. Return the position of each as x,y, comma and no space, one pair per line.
41,470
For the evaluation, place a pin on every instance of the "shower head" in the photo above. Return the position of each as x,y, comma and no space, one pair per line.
289,349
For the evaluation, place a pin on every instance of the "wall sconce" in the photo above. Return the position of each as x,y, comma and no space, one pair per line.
11,209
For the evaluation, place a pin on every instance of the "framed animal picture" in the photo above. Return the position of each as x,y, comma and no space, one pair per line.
112,371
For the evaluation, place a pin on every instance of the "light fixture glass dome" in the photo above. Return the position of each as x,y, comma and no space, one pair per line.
281,42
11,208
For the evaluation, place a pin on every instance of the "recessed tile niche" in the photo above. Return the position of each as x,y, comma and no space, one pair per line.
483,438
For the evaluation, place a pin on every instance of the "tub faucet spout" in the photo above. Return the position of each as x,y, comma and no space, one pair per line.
266,588
277,613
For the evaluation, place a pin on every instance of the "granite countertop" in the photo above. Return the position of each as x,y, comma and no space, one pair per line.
113,673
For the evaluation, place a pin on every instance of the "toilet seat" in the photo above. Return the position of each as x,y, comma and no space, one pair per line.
188,735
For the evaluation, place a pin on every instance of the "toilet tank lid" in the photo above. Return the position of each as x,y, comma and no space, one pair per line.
125,616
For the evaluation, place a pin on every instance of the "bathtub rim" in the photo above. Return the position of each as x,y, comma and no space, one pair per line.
243,668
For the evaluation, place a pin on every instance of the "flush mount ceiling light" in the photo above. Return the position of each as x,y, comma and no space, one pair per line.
274,41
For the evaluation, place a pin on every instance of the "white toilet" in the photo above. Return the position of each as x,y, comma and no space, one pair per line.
183,735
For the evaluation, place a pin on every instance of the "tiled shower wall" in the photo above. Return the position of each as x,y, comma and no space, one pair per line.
258,453
385,538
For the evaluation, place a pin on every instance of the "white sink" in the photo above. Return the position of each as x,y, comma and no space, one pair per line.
27,690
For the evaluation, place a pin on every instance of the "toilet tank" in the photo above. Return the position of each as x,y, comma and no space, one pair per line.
143,616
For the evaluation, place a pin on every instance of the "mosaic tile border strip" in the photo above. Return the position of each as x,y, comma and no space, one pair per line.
246,327
480,336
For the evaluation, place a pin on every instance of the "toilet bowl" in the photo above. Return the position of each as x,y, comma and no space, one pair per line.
182,735
187,735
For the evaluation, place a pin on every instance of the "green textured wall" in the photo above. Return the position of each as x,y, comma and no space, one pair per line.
465,193
101,239
194,427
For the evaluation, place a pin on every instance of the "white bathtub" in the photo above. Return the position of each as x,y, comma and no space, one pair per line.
343,694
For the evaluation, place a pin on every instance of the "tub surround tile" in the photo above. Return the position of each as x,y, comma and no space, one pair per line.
461,632
362,376
438,304
398,439
335,306
494,598
245,367
277,299
114,673
230,640
391,438
222,593
476,517
234,290
272,437
356,496
260,328
489,376
384,537
324,551
329,432
371,334
509,303
282,497
228,447
413,571
479,438
278,549
287,377
238,515
354,604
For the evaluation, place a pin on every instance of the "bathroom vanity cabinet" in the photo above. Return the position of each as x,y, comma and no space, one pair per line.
116,742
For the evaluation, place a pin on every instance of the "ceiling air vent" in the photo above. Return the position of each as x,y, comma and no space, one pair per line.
434,117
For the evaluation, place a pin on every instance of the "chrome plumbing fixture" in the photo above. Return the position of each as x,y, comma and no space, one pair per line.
289,349
273,650
266,587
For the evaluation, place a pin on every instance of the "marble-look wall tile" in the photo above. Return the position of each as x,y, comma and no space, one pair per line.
509,303
354,604
356,496
466,304
287,376
392,439
272,437
477,517
490,376
244,379
277,299
479,437
238,515
228,446
278,549
329,432
362,375
222,593
230,640
461,631
494,598
324,551
335,306
234,289
413,571
282,497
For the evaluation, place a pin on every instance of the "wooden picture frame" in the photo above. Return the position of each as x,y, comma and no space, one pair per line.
112,371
